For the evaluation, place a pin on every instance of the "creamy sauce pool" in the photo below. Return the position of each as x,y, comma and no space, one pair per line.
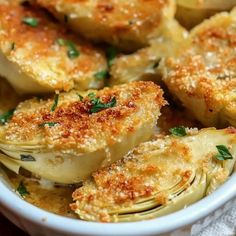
55,199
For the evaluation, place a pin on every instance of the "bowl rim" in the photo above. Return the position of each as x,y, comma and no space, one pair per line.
163,224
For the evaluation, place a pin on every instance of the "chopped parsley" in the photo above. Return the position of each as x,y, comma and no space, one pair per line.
22,190
131,22
98,105
61,42
6,116
80,97
31,21
54,106
27,158
223,153
156,63
101,75
111,53
178,131
50,124
92,95
72,51
13,46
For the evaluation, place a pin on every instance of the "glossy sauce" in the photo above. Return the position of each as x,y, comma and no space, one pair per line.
55,199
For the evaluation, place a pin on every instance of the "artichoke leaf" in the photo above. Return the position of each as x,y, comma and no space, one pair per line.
193,193
151,203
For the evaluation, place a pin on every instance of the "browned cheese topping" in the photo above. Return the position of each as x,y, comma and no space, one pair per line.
72,125
152,174
45,51
204,74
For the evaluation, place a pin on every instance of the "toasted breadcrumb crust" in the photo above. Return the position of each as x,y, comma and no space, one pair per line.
148,173
75,128
126,24
203,77
37,53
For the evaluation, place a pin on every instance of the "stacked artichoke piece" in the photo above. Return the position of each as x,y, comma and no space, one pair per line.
108,139
158,177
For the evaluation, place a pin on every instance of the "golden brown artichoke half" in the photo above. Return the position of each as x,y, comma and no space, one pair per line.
66,138
203,75
158,177
38,55
129,25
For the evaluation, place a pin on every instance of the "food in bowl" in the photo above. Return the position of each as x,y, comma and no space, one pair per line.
142,64
111,150
128,25
42,55
158,177
204,73
67,137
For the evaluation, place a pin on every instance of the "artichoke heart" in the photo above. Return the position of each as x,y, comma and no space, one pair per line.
128,25
158,177
143,64
37,55
66,138
203,75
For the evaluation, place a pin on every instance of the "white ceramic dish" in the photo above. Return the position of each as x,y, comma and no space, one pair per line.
38,222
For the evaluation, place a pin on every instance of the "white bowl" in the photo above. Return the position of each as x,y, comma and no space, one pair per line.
38,222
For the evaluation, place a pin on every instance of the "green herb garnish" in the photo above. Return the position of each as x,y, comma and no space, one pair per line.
111,53
50,124
61,42
54,106
27,158
72,51
98,105
156,63
178,131
6,116
80,97
13,46
31,21
101,75
92,95
223,153
22,190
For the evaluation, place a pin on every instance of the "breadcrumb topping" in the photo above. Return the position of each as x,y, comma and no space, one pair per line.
152,175
127,24
204,74
37,53
72,126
